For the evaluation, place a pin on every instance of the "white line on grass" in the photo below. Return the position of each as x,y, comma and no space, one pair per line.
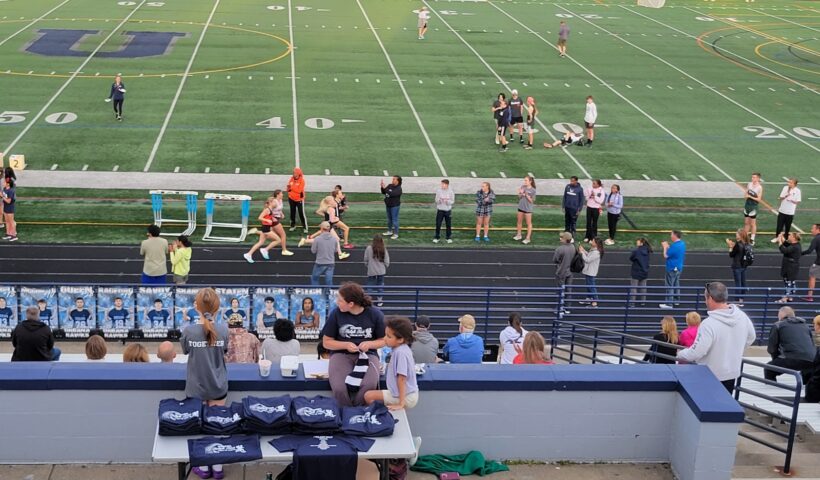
71,78
296,154
622,97
784,20
501,80
18,32
815,180
773,72
179,90
714,90
403,90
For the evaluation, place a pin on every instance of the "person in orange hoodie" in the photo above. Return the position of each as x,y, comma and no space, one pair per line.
296,199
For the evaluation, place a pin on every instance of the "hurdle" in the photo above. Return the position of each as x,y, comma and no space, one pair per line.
210,206
190,207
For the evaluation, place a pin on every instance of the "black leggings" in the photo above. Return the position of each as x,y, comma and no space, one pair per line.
118,106
592,223
612,223
294,208
784,223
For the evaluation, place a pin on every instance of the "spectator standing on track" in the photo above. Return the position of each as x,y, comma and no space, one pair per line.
445,199
739,253
790,197
392,202
324,246
377,259
814,270
118,95
688,335
283,342
562,258
790,344
511,339
639,271
675,254
180,252
484,199
592,262
532,352
516,116
243,346
154,250
32,340
790,265
754,192
526,203
590,116
563,36
614,206
296,199
166,352
572,202
9,206
466,347
425,345
424,17
595,200
669,334
722,337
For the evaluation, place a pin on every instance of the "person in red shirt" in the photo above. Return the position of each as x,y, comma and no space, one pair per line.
532,352
296,199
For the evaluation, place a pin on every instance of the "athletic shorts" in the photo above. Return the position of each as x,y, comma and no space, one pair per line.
422,23
752,214
502,129
528,127
410,399
562,42
814,271
267,228
589,125
516,120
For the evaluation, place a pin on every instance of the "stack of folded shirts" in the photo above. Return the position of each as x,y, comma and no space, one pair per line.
180,417
316,416
221,450
223,420
267,416
374,420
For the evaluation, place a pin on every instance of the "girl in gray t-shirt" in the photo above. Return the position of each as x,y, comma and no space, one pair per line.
526,201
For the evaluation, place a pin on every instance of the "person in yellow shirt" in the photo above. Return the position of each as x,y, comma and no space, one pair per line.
180,252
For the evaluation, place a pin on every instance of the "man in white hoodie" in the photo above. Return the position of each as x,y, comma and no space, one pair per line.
721,338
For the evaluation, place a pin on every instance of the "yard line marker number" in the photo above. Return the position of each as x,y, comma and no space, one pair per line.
182,81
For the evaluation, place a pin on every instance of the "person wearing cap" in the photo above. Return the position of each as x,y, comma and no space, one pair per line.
324,246
425,345
466,347
243,346
296,199
516,112
562,258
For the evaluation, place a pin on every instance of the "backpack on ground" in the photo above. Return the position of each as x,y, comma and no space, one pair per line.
748,257
577,265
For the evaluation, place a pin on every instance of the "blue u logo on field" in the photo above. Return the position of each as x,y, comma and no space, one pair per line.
58,42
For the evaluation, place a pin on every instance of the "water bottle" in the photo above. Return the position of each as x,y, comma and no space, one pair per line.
385,357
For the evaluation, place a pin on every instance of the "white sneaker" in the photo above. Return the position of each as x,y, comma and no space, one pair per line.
287,253
449,240
265,254
417,446
394,237
292,228
301,242
517,238
248,257
387,233
665,306
435,240
526,242
609,241
774,240
343,255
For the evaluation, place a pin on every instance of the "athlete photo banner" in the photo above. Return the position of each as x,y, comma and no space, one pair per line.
154,306
45,299
233,303
8,307
184,312
75,308
115,309
300,299
264,315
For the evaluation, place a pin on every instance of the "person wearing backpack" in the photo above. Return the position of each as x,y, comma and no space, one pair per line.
742,255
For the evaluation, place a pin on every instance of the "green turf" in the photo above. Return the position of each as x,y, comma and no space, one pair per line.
343,74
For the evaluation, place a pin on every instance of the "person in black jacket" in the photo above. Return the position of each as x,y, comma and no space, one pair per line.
790,344
640,269
814,270
572,202
737,249
790,265
392,201
32,340
118,95
669,334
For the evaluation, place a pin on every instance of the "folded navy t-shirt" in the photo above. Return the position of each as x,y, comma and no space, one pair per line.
222,420
375,420
208,451
180,417
316,415
320,457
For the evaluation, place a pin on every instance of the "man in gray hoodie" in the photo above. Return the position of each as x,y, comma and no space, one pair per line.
445,198
562,258
790,344
425,345
324,247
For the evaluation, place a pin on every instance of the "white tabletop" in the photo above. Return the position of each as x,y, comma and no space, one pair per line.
399,445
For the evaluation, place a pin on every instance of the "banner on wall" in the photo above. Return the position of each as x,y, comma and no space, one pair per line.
269,305
75,306
308,310
234,303
184,312
8,309
45,299
115,310
154,306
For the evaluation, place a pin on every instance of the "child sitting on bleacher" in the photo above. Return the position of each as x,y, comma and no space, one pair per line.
402,389
532,352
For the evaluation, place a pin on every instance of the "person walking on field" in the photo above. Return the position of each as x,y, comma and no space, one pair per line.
563,36
572,202
754,192
445,198
595,200
590,116
614,206
118,95
296,199
424,16
392,202
790,197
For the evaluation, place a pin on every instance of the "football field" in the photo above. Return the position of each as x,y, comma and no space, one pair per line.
696,90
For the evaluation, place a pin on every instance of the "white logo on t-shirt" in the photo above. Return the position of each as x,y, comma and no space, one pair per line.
258,407
323,445
366,418
179,416
215,448
315,412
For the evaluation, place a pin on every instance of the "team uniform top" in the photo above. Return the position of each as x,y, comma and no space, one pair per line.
158,319
10,194
268,319
6,315
118,317
79,317
230,313
515,105
268,220
750,207
46,316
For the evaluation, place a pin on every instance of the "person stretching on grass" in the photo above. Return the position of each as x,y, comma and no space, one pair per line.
569,138
271,228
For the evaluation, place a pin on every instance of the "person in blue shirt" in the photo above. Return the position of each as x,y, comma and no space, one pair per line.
6,313
572,202
158,317
79,315
674,253
118,316
46,315
234,311
118,95
466,347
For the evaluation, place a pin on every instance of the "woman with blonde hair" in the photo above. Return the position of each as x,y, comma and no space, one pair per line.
669,334
135,353
688,335
532,352
327,205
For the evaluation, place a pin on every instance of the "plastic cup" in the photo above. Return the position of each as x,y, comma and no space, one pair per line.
264,367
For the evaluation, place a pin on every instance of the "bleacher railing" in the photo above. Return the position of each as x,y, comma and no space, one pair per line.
577,343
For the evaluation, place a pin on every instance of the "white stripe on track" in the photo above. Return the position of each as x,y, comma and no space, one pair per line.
18,32
622,97
167,120
403,90
503,82
71,78
297,156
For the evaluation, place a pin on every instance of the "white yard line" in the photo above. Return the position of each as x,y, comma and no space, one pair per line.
621,96
182,81
403,90
297,157
503,82
71,78
703,84
18,32
784,20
